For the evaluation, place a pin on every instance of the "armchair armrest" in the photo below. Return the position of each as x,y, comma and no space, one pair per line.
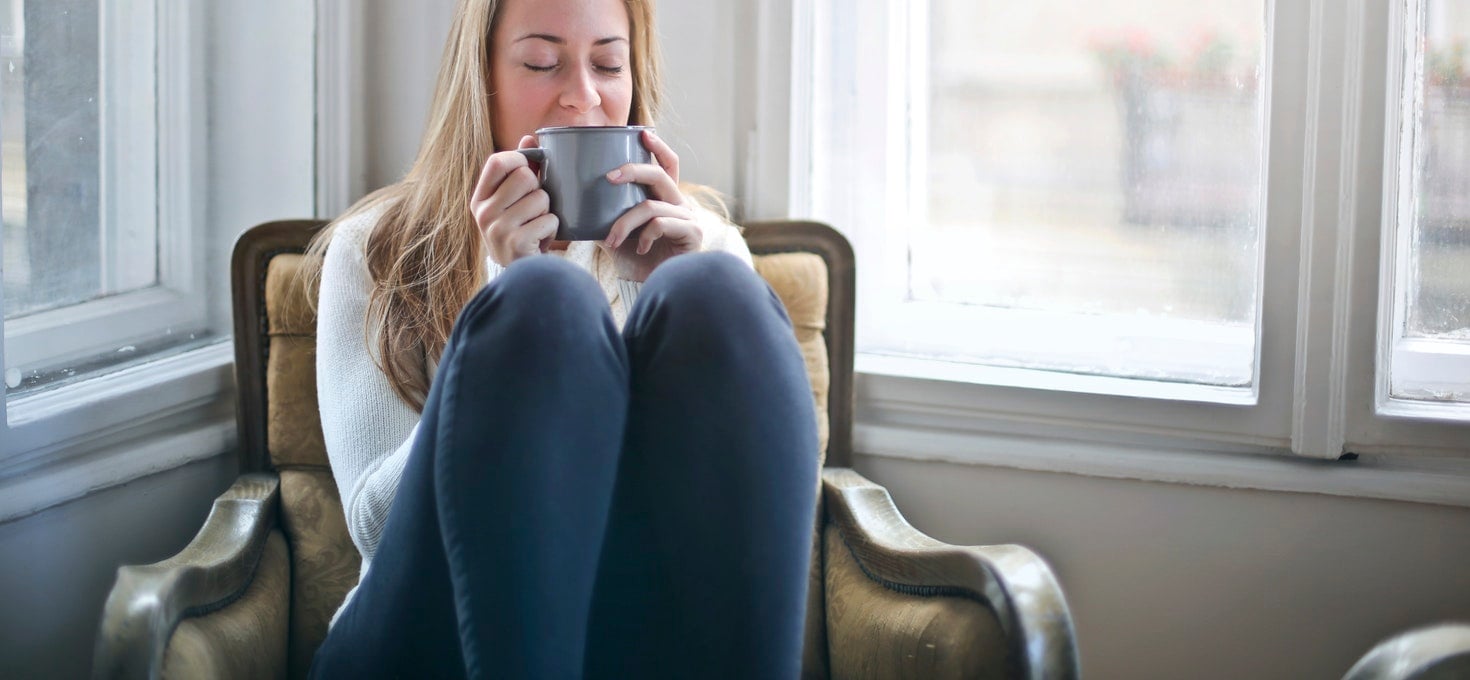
1441,651
1015,582
148,601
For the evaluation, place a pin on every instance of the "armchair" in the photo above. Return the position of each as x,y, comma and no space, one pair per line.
1438,652
251,595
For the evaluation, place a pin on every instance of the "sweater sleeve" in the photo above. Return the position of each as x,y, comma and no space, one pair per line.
368,430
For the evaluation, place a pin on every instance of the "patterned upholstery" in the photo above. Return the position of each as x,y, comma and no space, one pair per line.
324,563
874,632
294,433
210,646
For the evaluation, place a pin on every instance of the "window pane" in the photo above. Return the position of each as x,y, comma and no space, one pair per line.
1439,301
51,120
1095,158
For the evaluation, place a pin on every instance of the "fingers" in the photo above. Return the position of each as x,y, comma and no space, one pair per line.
497,167
513,188
661,177
510,208
658,220
663,154
660,185
538,234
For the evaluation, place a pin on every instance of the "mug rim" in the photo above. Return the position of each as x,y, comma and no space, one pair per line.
589,128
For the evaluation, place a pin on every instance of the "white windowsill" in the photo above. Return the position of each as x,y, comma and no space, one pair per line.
892,423
66,443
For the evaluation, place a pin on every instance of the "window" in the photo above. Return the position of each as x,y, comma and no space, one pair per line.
97,260
132,158
1428,329
1149,220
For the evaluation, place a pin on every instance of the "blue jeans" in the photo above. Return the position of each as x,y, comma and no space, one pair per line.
584,503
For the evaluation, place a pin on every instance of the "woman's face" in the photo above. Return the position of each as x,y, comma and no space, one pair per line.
559,62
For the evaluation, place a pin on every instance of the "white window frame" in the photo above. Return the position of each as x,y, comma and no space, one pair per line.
1314,392
1433,373
217,177
146,46
146,175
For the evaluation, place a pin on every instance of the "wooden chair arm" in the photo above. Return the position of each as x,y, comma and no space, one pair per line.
1441,651
148,601
1012,580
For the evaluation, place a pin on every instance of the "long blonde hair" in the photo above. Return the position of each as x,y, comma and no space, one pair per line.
425,255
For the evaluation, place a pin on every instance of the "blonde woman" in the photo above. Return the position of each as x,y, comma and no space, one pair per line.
558,459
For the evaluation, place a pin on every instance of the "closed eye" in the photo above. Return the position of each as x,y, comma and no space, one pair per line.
539,68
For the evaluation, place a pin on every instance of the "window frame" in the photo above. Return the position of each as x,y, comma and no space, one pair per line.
146,45
1414,365
40,424
1023,338
1320,260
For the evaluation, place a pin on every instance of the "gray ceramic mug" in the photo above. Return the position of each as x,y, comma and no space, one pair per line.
574,166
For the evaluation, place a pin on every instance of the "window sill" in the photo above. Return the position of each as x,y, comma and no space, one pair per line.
65,443
942,419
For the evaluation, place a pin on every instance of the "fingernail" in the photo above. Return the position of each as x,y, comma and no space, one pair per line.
614,175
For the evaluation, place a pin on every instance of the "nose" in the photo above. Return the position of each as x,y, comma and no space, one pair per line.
579,93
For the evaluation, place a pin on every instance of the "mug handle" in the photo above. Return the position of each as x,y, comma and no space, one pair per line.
533,155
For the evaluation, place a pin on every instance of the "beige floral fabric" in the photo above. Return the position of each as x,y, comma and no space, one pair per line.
874,632
247,639
324,562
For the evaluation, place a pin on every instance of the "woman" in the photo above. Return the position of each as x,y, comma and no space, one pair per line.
534,491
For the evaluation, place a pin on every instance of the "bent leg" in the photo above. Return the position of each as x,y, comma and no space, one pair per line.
511,476
704,570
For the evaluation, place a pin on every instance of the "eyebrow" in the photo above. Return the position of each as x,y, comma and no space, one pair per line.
562,41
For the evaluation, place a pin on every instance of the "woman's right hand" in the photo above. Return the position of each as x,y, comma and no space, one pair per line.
511,209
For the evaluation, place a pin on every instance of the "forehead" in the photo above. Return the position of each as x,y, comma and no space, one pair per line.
572,20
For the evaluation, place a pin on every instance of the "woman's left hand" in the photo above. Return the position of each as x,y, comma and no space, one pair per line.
662,226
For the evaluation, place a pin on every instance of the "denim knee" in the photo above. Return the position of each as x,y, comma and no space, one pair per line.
545,289
715,288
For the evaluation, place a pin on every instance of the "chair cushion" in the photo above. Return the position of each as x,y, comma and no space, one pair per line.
324,563
294,431
800,280
874,632
246,639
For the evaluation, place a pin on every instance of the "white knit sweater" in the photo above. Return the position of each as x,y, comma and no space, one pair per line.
369,431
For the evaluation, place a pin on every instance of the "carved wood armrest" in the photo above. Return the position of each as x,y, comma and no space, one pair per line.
1012,580
148,601
1441,651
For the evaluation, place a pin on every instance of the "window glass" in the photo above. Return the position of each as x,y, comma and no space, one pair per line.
50,172
1439,299
1099,158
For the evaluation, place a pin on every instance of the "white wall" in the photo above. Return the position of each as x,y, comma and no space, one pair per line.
56,567
1174,581
405,41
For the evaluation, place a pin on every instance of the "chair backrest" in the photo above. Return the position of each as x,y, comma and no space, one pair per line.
809,265
254,327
